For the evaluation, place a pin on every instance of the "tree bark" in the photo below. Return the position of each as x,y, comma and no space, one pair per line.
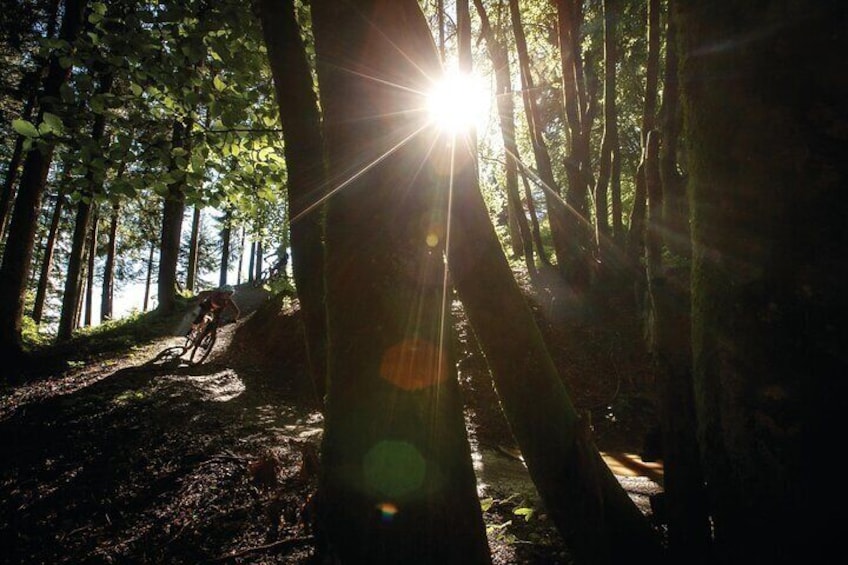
609,141
193,248
556,212
523,239
306,173
107,293
89,276
47,259
577,165
767,169
226,236
149,280
86,208
172,220
388,302
17,257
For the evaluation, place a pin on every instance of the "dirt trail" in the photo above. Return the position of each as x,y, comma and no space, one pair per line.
123,461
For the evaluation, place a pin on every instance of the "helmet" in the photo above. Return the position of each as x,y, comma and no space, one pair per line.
228,288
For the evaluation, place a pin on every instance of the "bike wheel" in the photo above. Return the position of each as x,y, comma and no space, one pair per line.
203,347
168,355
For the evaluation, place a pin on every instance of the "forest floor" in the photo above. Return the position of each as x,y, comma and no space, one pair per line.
121,459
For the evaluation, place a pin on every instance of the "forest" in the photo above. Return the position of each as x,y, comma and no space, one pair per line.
515,281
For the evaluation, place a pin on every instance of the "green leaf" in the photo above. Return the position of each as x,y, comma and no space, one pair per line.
66,62
97,104
136,89
54,123
95,18
218,83
25,128
486,503
526,512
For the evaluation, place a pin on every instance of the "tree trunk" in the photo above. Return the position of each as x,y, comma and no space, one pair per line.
306,174
148,282
241,256
636,240
259,261
522,239
17,257
556,212
767,169
193,248
609,141
577,227
534,220
226,234
47,259
108,289
172,221
86,208
251,261
74,277
685,502
388,303
675,203
89,279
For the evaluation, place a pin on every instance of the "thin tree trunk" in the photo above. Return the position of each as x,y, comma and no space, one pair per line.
387,304
74,276
226,233
610,137
193,248
577,228
47,259
108,289
636,241
92,255
522,238
148,282
556,212
304,152
534,220
259,260
17,257
241,256
251,262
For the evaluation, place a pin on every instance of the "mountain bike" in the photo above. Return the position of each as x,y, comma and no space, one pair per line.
197,345
201,339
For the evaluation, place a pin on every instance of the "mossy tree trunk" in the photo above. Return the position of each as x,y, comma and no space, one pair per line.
397,485
765,119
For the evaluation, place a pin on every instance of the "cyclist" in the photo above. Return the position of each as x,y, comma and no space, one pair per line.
216,301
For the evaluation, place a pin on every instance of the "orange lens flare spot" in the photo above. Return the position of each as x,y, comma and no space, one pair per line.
387,511
413,364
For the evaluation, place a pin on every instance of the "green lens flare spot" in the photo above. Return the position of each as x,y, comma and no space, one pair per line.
394,468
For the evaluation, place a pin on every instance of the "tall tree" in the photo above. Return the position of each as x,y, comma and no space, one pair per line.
226,234
506,118
387,301
609,175
193,250
17,257
86,210
47,258
107,293
173,210
557,213
764,115
304,152
578,255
